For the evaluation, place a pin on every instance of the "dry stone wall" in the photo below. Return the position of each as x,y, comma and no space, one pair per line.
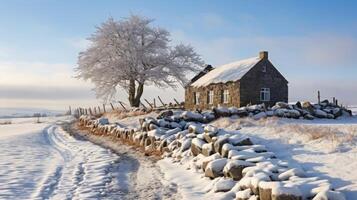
238,168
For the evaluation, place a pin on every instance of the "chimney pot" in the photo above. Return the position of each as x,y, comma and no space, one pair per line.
263,55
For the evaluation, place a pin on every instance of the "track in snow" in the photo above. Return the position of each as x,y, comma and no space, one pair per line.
137,176
49,163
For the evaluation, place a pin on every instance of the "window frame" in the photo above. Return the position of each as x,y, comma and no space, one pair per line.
210,97
196,98
265,94
226,96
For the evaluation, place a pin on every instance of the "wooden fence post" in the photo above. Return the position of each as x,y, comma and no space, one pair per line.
112,106
178,103
161,101
149,103
143,105
122,105
104,108
318,96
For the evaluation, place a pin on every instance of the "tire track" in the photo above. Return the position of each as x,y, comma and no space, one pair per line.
136,176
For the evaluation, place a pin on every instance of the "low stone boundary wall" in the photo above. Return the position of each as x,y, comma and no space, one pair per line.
305,110
237,167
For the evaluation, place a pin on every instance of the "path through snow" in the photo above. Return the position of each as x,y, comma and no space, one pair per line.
42,161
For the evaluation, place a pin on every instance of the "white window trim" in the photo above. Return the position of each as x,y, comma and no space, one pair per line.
265,94
210,97
197,98
225,96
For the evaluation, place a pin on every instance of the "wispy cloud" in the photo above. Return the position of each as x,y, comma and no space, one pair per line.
212,20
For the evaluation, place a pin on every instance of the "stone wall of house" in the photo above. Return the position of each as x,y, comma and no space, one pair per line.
244,91
255,79
232,87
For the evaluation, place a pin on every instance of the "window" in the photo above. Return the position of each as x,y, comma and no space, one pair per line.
264,68
210,97
196,99
225,96
265,94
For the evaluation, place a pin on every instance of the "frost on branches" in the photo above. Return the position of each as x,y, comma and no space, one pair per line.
131,53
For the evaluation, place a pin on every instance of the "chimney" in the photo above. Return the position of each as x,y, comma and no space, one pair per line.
263,55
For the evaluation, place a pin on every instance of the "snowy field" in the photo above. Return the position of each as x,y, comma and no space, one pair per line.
42,161
26,112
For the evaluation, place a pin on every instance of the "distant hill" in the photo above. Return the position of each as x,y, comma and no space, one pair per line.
27,112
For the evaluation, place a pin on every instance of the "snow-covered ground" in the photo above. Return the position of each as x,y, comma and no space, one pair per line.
324,148
42,161
26,112
354,109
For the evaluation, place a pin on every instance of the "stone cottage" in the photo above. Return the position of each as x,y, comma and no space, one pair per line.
250,81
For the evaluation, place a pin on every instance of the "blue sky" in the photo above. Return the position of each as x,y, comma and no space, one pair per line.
313,43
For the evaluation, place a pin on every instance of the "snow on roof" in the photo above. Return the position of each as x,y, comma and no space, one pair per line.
228,72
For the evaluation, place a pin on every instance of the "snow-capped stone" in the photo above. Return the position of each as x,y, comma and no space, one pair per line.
210,129
329,195
165,114
226,148
206,160
256,179
309,117
233,168
282,193
192,116
243,194
195,128
207,149
320,114
337,112
209,135
260,116
237,140
265,188
196,146
156,133
172,131
221,112
163,123
223,185
175,125
330,116
233,110
291,172
281,104
186,144
214,168
219,144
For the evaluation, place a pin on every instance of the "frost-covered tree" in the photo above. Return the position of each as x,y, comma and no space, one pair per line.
131,53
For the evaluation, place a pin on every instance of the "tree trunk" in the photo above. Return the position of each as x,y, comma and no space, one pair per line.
135,93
